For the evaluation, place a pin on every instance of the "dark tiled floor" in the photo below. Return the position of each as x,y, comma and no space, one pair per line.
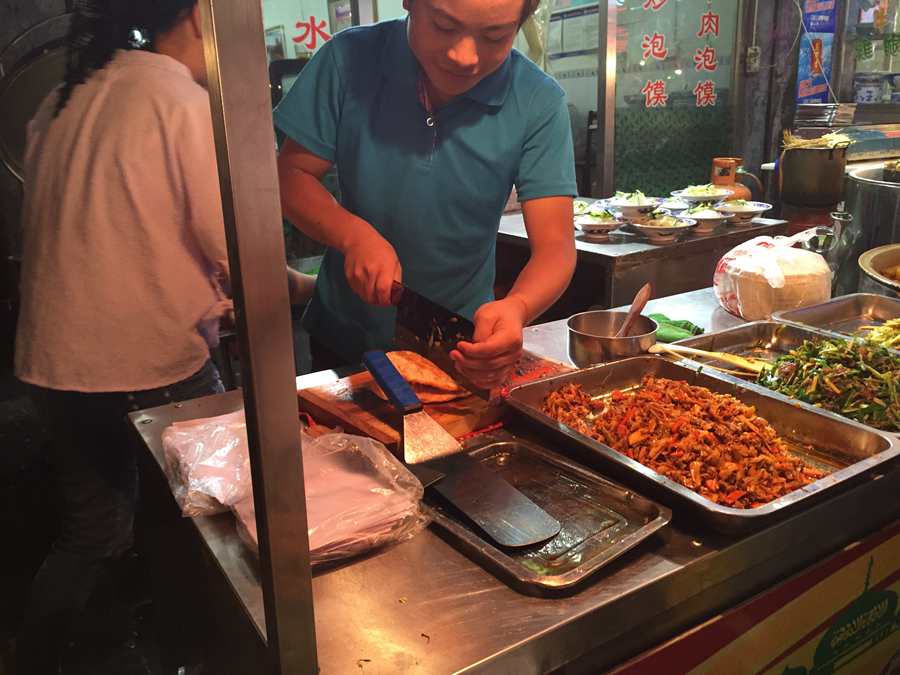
28,523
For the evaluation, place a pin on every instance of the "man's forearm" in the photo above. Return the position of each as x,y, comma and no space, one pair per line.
544,279
312,210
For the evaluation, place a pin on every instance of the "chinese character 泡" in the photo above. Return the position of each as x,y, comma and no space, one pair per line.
654,46
705,59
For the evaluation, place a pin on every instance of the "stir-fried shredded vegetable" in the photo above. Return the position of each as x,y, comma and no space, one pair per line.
885,335
853,378
710,443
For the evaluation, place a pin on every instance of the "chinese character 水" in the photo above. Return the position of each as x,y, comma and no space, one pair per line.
705,59
709,25
311,31
655,94
654,46
705,94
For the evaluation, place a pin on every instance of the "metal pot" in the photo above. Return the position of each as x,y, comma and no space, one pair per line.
591,338
812,176
873,263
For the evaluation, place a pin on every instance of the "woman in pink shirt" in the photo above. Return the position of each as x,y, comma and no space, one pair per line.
123,280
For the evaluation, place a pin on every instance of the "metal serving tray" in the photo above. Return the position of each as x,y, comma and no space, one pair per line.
600,520
846,450
844,315
760,339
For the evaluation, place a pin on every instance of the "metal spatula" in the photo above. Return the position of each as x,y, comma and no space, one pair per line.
503,512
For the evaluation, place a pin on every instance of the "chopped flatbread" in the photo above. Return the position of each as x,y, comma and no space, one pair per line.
431,384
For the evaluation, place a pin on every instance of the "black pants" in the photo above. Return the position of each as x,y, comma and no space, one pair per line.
94,465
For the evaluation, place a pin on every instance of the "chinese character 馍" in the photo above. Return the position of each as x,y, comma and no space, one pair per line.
655,94
705,94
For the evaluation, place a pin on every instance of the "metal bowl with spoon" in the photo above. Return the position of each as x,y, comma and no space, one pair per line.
599,336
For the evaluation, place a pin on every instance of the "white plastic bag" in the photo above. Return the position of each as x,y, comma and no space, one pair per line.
766,275
358,497
207,463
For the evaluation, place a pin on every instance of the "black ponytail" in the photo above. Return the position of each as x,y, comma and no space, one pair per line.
100,27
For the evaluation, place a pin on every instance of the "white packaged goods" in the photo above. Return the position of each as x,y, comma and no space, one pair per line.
767,275
358,495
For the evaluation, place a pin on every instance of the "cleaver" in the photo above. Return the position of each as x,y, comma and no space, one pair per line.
425,327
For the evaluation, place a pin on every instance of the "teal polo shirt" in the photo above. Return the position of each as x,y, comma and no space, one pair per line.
436,193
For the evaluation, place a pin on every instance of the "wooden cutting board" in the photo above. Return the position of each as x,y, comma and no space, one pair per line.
351,404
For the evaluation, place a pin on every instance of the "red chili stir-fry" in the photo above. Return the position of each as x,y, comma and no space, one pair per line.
711,443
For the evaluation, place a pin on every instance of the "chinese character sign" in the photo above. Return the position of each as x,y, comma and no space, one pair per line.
655,94
654,46
702,24
705,59
705,94
709,25
310,32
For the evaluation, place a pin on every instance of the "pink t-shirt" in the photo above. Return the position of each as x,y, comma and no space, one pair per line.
124,244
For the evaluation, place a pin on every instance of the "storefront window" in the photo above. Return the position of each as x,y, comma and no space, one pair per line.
673,91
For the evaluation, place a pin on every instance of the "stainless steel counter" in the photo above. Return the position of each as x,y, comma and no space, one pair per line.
423,607
609,274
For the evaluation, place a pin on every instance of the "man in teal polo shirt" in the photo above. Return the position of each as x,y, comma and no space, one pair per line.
430,121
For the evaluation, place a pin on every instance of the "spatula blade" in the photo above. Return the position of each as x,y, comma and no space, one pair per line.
504,513
425,440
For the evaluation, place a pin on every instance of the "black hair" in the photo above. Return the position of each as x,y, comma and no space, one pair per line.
100,27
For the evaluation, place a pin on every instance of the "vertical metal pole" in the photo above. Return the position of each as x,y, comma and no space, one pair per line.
737,100
245,146
604,183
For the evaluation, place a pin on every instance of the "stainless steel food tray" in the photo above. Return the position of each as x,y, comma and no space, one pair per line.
847,450
844,315
760,339
600,520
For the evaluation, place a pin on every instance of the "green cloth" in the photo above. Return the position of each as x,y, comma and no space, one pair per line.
671,330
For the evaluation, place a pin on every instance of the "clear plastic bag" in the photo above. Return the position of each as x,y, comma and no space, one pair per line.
767,275
358,497
207,463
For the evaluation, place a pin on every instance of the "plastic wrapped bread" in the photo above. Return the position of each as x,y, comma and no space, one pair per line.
767,275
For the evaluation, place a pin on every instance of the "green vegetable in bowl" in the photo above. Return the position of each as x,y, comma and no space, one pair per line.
849,377
598,213
700,209
738,202
701,190
636,198
579,206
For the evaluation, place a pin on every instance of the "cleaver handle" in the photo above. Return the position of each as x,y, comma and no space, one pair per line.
394,385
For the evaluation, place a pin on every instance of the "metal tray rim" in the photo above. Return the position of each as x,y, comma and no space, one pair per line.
892,451
785,315
557,582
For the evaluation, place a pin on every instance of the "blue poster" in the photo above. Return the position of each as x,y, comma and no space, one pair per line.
814,68
818,15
